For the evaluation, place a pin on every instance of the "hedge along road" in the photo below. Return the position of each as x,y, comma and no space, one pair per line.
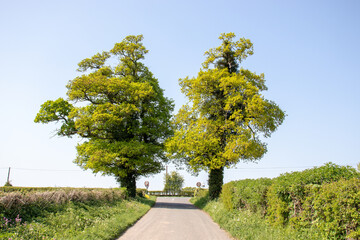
175,218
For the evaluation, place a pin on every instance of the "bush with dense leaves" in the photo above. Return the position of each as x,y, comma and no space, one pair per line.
287,193
141,192
189,189
201,197
247,194
333,208
325,199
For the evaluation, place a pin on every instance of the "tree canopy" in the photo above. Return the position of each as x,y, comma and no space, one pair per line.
226,117
119,110
173,182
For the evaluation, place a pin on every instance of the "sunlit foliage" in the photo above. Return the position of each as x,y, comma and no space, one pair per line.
226,117
123,114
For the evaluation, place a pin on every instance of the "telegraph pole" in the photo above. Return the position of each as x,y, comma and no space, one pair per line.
166,180
8,178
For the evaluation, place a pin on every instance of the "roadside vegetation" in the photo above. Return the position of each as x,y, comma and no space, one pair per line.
67,213
318,203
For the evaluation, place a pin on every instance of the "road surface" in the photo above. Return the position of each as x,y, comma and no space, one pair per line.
175,218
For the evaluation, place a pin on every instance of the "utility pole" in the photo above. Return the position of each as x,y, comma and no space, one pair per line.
8,179
166,179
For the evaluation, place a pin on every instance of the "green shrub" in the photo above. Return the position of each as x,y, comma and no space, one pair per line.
201,198
318,203
156,193
188,189
227,195
334,209
201,192
141,192
187,193
247,194
8,184
286,195
245,224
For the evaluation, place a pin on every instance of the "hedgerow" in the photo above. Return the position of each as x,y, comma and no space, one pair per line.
201,197
287,193
247,194
326,199
333,208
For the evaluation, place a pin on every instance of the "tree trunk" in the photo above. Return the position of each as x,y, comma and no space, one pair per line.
215,182
129,182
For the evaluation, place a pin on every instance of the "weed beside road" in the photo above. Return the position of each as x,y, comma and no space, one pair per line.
105,218
246,225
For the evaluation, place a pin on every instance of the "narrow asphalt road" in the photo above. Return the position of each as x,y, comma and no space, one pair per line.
175,218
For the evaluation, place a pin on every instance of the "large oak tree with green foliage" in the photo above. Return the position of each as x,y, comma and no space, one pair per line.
226,117
119,110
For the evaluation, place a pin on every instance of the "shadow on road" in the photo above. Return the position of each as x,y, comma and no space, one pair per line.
171,205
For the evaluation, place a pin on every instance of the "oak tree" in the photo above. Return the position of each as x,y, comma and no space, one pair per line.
119,110
227,116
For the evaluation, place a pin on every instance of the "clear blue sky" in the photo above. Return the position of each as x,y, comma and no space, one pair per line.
308,50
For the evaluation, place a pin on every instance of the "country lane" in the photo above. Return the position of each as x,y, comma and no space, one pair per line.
175,218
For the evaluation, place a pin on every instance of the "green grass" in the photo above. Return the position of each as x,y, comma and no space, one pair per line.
82,221
246,225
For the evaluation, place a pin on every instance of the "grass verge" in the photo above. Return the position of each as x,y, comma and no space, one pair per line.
245,225
80,221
